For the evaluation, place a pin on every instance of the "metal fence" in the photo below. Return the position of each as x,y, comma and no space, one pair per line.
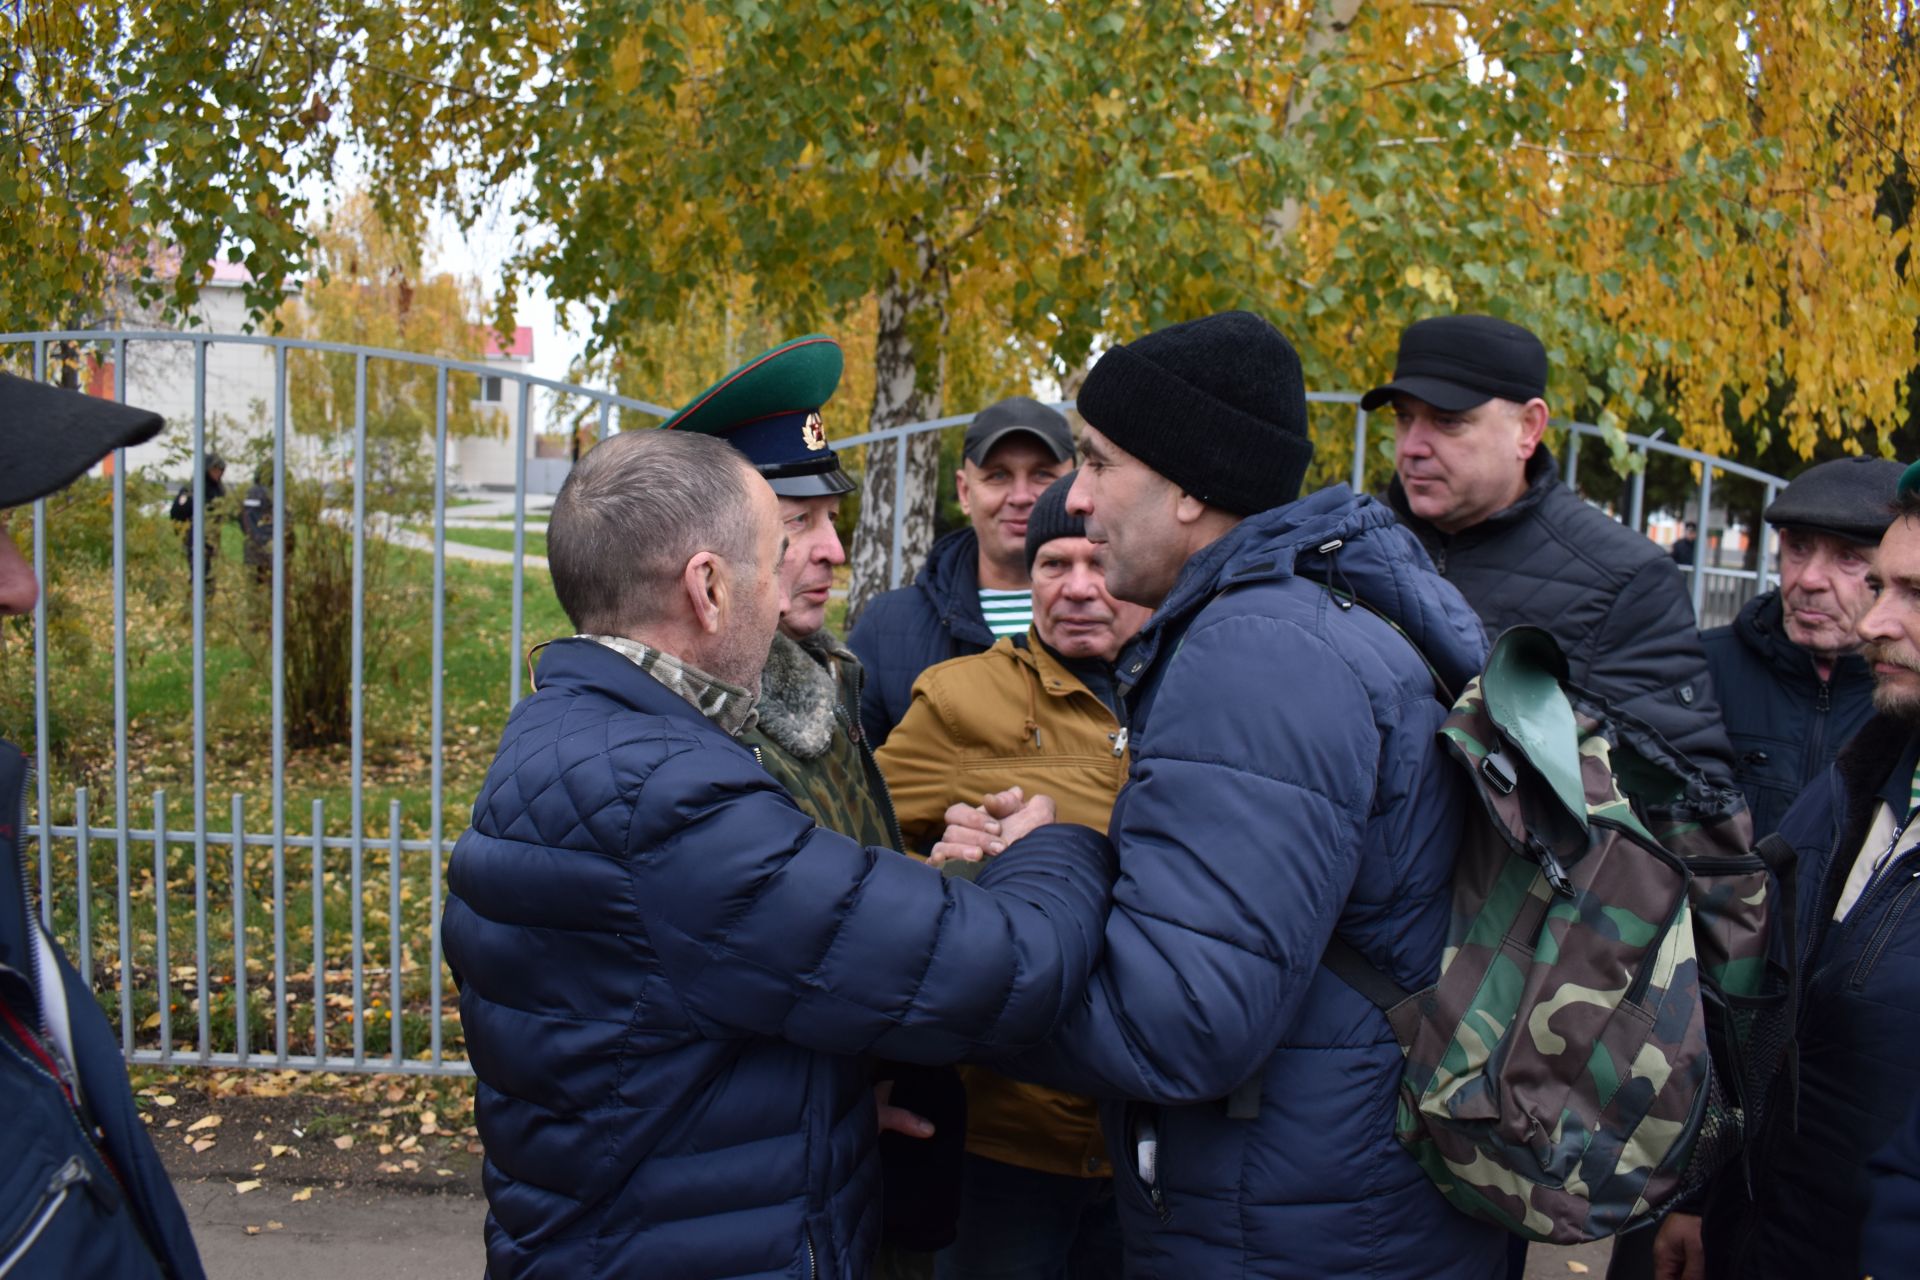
126,896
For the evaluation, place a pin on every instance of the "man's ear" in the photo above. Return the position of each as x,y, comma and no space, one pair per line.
960,491
1187,509
705,582
1533,425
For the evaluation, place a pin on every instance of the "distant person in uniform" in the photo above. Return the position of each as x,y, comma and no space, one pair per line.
1684,544
256,525
214,468
974,587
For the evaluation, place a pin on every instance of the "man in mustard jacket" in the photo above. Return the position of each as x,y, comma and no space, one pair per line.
1039,712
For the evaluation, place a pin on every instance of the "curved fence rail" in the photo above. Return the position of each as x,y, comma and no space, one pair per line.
302,936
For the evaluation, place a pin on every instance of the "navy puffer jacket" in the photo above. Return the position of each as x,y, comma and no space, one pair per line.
1859,1063
903,632
668,973
1286,782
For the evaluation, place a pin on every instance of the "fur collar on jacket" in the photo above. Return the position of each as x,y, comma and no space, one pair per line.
799,692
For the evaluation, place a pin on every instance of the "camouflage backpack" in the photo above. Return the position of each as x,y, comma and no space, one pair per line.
1607,1015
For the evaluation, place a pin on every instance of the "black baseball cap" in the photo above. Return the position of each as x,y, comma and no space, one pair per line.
50,437
1851,498
1017,413
1456,363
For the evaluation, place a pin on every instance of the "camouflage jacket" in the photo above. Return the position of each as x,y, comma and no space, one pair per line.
808,737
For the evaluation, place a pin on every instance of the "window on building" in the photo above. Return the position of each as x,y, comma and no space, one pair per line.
492,389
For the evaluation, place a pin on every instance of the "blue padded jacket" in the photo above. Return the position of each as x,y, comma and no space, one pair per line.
1286,782
903,632
1859,1050
668,974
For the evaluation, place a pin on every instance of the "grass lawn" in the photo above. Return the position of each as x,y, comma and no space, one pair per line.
397,767
498,539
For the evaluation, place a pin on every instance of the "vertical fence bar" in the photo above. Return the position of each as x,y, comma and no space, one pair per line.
606,420
204,1012
894,561
40,733
519,544
122,819
1637,502
1359,484
239,931
359,946
1700,543
280,702
319,932
393,932
202,571
357,837
438,694
1763,557
83,851
1572,473
161,958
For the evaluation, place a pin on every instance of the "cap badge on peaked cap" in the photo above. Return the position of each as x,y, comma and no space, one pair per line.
769,409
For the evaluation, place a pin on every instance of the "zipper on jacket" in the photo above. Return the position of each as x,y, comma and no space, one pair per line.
65,1071
1870,954
813,1265
61,1185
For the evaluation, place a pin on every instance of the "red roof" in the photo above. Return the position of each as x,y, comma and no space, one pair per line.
522,348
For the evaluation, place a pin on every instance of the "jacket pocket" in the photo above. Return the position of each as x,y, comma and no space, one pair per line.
1884,931
15,1252
1143,1158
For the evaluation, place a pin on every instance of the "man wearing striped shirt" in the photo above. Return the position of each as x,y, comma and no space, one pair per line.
974,587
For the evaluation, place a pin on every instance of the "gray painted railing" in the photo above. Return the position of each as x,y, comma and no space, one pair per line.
308,852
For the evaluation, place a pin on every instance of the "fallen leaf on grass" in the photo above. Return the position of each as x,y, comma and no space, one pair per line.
344,1141
304,1193
241,1188
443,1173
204,1122
256,1168
276,1150
274,1226
164,1099
203,1146
253,1231
1578,1268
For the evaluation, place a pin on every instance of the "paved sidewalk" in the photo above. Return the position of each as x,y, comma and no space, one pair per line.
350,1233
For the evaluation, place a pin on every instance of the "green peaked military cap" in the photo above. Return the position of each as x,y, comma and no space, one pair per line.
1909,480
769,409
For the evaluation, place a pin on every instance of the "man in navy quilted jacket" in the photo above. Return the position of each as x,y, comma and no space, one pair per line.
668,974
1286,786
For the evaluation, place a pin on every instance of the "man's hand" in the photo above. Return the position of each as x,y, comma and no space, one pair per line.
898,1119
981,831
1677,1252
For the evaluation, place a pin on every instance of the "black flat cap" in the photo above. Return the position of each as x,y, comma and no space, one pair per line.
1851,498
1456,363
49,437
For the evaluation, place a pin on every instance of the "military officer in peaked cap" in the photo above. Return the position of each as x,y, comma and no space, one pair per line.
808,735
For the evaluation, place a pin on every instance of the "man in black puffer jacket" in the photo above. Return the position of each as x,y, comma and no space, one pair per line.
1477,487
1788,670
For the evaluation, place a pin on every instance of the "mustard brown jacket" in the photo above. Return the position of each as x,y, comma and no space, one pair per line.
1015,714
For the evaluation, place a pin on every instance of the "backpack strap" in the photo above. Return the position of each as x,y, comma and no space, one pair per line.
1345,962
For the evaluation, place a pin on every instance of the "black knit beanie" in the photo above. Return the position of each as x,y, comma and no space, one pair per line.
1216,405
1049,519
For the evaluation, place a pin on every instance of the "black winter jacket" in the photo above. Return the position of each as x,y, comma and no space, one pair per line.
903,632
1859,1033
1786,723
1613,600
82,1191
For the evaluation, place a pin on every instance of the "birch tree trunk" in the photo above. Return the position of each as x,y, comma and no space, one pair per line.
903,392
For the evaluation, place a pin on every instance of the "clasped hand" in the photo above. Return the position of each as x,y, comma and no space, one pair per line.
983,830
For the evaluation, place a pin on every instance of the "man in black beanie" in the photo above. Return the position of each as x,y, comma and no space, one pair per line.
1481,491
1285,787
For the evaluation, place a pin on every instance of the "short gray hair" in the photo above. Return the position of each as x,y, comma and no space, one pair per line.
631,514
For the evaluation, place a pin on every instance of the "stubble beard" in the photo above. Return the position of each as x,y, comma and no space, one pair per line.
1890,699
